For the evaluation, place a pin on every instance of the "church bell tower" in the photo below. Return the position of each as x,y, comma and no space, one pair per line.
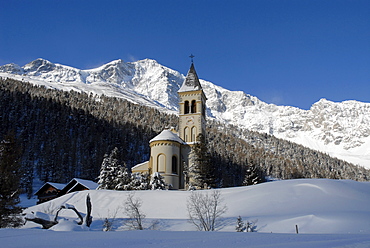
192,116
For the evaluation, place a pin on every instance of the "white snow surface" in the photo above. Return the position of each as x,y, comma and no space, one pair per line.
158,239
167,135
328,213
341,129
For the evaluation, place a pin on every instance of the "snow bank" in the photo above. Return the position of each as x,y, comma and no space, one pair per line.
315,205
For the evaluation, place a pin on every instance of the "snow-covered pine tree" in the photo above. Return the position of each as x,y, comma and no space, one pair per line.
201,172
109,171
145,181
252,175
157,182
193,172
240,226
123,178
139,181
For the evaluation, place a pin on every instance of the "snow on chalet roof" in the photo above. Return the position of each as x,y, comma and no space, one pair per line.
87,183
191,81
167,135
58,186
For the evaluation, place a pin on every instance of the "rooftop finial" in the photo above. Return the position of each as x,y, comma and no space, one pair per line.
191,57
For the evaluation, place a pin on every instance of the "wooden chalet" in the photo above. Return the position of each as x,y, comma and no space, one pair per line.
77,184
49,191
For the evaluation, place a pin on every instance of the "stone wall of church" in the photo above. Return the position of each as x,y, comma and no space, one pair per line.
165,159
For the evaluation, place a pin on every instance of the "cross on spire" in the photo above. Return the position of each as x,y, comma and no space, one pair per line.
191,57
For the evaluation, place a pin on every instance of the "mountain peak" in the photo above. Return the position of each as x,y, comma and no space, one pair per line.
338,128
39,65
115,62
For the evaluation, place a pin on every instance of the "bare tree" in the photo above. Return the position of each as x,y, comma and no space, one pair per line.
109,221
135,215
205,209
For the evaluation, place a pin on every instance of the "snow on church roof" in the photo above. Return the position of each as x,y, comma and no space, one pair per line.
191,81
167,135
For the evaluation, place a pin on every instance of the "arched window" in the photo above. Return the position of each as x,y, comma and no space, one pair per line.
193,106
174,164
161,163
193,134
186,107
186,134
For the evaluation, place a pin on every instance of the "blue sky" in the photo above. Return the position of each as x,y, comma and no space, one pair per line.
287,52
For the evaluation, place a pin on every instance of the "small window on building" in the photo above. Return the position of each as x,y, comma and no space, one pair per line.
193,106
186,107
174,165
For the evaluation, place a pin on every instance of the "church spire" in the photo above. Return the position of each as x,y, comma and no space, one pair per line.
191,82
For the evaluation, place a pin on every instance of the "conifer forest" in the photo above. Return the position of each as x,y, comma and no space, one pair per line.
63,134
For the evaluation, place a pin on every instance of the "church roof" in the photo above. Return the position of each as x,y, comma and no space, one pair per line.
167,135
191,81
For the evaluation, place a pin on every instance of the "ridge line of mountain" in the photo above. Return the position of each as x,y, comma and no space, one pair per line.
339,128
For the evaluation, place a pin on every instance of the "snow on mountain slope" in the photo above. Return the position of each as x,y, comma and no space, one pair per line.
315,205
339,129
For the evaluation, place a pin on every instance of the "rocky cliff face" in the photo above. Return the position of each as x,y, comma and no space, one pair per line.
340,129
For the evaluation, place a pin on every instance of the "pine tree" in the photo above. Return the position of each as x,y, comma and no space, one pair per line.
123,178
193,172
138,181
10,176
109,171
157,182
252,175
201,171
240,226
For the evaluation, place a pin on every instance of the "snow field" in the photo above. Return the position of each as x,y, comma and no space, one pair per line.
315,205
32,238
329,213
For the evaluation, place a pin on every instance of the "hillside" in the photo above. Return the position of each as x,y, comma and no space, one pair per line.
320,206
66,134
339,129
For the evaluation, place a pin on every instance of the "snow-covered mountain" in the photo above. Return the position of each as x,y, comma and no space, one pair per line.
340,129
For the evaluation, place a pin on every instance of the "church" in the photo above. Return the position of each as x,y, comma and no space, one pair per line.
169,150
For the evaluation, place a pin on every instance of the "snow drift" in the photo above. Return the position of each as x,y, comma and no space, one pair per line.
316,206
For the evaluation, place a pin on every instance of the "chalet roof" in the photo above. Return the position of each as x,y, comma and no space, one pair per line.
87,183
167,135
75,181
58,186
191,82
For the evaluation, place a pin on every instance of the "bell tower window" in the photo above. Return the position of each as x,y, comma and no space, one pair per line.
193,106
186,107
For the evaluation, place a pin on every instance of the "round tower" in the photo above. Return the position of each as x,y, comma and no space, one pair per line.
165,157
